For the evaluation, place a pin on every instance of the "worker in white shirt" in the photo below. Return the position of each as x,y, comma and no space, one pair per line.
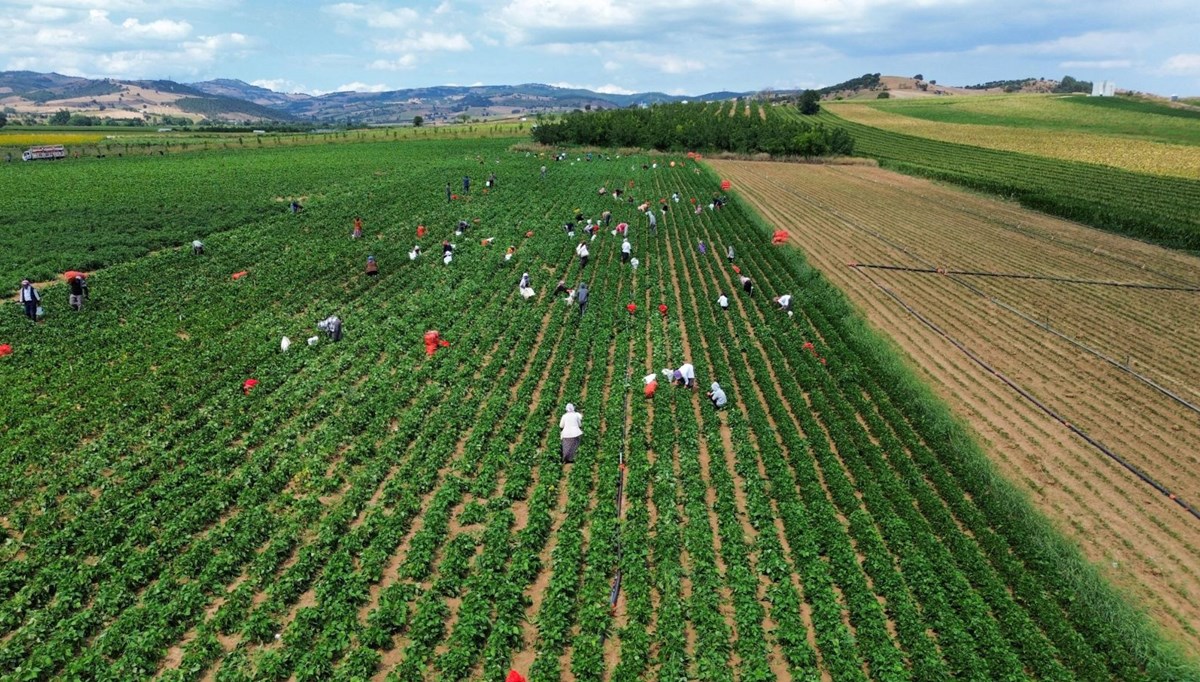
571,424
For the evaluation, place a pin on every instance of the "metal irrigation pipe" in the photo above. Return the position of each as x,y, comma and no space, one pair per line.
1020,275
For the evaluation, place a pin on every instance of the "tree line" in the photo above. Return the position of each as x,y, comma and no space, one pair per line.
695,127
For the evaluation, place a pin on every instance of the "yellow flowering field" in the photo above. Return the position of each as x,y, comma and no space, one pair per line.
26,138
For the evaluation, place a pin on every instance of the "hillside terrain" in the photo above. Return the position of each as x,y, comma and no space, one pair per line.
25,94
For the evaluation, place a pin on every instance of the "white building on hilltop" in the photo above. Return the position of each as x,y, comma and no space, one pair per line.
1104,89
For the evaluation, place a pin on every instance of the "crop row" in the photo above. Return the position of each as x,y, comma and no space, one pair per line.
1150,207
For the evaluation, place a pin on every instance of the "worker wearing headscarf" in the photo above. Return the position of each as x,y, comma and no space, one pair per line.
717,396
571,424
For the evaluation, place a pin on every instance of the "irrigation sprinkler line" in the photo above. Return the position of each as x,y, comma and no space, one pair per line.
1023,315
1021,275
1032,399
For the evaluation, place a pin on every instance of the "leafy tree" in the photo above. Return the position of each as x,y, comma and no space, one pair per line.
919,77
1069,84
3,120
60,118
418,121
810,102
884,95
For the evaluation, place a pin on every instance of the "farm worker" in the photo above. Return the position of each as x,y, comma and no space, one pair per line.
698,211
528,234
633,263
561,288
747,285
332,326
570,228
581,295
491,181
571,424
513,675
357,233
582,250
622,228
487,242
433,341
449,194
626,251
543,172
662,309
462,227
701,247
665,208
686,375
240,274
248,385
717,396
30,297
606,216
372,266
285,344
77,285
653,222
466,184
295,207
651,385
5,349
524,284
723,301
784,301
779,237
420,231
447,247
446,259
729,253
509,252
197,247
632,308
416,251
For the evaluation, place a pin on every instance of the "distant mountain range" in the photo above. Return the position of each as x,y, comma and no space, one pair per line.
26,93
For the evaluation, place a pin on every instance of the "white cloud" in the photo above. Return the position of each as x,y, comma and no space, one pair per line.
404,63
608,89
162,29
1090,44
426,41
374,16
1186,64
1097,64
357,86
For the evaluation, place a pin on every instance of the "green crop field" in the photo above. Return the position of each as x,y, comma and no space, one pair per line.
1110,116
368,512
1155,208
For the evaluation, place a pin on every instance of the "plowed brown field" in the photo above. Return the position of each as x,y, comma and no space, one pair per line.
1090,352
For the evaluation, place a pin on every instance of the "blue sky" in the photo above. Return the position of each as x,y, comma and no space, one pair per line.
675,46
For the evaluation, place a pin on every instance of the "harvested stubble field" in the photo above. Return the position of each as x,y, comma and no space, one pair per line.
1037,333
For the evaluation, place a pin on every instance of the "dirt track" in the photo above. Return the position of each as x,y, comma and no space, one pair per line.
1079,348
